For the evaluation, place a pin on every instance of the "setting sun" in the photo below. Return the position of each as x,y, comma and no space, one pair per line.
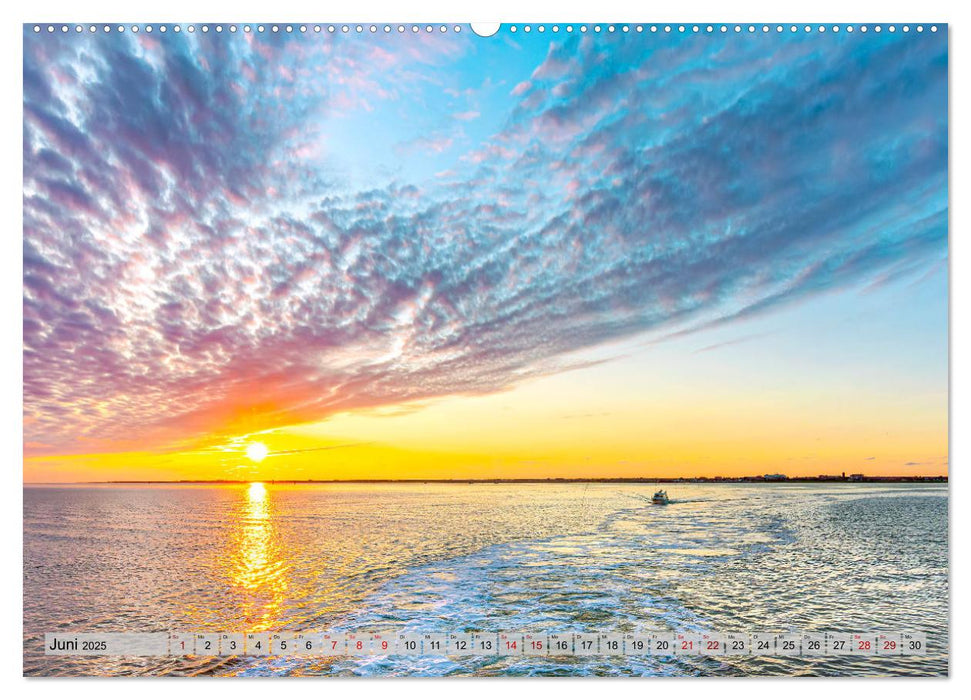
257,451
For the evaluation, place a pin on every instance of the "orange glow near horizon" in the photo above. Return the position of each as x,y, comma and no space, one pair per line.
537,431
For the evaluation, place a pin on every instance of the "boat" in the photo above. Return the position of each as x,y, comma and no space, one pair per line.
661,498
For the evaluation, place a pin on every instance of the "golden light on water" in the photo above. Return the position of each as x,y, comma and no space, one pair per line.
259,568
255,538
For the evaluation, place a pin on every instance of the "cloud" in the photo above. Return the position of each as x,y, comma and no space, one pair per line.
521,88
192,265
728,343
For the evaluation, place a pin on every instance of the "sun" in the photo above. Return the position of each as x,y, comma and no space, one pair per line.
257,451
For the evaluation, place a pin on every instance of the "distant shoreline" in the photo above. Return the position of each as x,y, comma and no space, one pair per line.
771,479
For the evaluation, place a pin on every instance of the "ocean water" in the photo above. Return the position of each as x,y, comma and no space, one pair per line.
448,557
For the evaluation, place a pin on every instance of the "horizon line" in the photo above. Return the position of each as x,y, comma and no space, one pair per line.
770,478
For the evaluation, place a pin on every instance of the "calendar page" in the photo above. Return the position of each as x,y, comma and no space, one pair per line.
525,349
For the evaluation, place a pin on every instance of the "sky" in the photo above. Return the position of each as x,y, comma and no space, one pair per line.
448,256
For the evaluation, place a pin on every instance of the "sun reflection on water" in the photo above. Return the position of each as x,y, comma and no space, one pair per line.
260,571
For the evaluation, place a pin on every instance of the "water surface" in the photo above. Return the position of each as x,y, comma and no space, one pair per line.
447,557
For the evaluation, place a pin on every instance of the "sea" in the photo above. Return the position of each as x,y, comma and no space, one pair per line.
448,557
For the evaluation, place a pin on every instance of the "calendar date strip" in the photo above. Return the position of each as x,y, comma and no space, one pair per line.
403,643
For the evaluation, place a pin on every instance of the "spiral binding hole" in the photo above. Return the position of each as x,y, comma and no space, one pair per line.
615,29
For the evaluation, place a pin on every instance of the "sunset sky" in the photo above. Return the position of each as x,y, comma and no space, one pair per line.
445,256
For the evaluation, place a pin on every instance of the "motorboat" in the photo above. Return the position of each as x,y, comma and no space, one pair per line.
661,498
